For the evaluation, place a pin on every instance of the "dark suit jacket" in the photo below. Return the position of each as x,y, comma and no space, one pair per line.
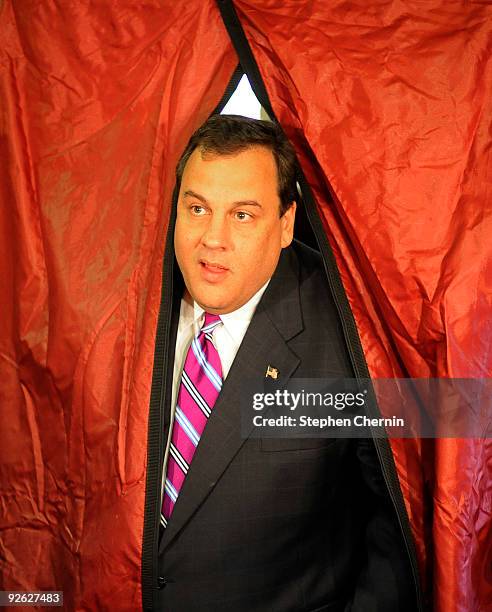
284,524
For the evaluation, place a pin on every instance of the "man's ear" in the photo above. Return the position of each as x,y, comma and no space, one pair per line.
287,221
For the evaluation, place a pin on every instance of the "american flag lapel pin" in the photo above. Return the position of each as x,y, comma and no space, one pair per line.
271,372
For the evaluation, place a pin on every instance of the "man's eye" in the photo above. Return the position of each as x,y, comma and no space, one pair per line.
197,210
243,216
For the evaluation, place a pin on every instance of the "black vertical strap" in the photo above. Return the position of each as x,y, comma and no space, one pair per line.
230,89
354,345
155,441
244,53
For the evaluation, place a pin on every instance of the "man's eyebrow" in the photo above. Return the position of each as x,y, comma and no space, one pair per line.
192,194
246,203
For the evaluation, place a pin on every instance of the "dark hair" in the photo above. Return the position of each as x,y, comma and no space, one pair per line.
229,134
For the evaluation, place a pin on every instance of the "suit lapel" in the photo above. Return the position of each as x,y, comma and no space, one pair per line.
276,320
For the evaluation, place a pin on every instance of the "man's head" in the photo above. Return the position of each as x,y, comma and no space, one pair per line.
236,209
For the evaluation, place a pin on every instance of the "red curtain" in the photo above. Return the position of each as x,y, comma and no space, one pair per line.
97,103
388,106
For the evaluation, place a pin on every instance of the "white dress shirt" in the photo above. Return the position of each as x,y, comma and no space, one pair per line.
227,339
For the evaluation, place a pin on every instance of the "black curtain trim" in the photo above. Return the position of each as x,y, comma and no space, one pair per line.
244,53
155,432
230,89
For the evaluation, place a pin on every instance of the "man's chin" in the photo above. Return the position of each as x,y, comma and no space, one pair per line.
212,304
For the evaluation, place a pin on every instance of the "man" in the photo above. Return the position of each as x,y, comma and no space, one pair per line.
272,524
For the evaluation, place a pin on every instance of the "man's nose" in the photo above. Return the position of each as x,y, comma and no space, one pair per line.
216,235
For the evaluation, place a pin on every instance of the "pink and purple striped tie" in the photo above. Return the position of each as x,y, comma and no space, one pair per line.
201,382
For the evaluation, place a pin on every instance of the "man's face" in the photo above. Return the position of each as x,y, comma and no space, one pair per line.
229,234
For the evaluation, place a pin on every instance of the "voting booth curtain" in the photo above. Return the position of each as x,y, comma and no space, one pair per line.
389,109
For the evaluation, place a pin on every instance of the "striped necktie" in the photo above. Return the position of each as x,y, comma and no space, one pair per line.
201,382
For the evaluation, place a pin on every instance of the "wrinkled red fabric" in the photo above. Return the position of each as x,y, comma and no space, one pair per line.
388,105
390,108
97,103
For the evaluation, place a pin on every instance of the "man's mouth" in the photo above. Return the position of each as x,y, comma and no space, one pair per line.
213,270
212,265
